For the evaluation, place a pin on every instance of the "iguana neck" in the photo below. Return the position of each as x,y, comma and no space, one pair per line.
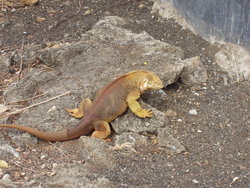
136,80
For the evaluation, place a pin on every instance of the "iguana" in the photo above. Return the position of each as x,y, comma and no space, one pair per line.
110,102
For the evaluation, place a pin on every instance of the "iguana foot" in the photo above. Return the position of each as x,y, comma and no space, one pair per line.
83,108
143,113
75,112
102,130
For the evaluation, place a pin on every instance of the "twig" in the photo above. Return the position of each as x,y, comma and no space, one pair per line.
33,105
29,98
21,56
124,145
59,150
7,49
80,6
25,167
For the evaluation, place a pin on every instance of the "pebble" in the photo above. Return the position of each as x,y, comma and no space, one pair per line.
171,113
6,177
3,164
54,165
195,181
141,6
43,156
193,112
40,19
26,155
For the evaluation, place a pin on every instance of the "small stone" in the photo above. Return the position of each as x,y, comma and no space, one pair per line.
195,181
52,109
235,179
51,173
18,149
193,112
89,11
171,113
43,156
3,164
40,19
54,165
26,155
197,94
141,6
3,108
6,177
6,151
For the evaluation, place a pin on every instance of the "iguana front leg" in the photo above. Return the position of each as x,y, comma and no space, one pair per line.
81,110
135,107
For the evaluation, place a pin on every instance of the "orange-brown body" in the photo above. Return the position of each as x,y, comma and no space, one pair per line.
109,102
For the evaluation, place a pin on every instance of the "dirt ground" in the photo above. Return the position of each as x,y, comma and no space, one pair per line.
216,138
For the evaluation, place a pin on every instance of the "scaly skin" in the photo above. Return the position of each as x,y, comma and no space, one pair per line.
110,102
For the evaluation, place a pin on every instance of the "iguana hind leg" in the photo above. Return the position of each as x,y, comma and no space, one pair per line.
135,107
81,110
102,129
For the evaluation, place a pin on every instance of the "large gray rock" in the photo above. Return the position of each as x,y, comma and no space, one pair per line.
130,139
97,152
169,143
71,176
193,72
6,182
100,182
131,123
82,67
234,60
6,150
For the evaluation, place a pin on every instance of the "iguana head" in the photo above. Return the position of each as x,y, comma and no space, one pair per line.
151,81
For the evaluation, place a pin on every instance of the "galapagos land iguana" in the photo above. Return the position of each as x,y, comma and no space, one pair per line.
110,102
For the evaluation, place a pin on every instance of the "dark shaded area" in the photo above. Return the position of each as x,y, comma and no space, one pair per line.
228,20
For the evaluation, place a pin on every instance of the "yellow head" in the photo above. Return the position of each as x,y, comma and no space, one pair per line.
150,81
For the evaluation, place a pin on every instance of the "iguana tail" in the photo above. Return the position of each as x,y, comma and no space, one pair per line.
56,136
65,134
